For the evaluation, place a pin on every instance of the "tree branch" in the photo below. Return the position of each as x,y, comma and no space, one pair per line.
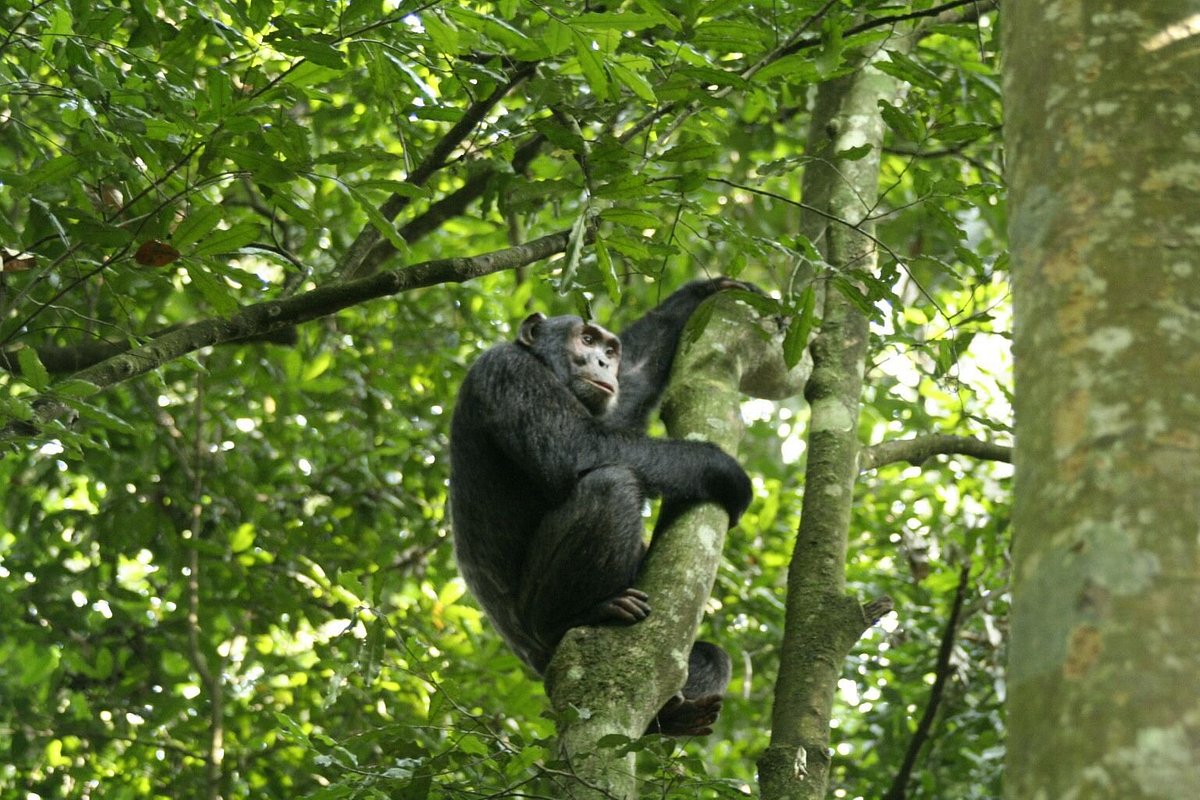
272,315
893,19
898,790
72,358
351,265
919,450
823,623
450,206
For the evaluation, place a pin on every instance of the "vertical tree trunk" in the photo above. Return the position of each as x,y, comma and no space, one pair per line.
1102,110
823,623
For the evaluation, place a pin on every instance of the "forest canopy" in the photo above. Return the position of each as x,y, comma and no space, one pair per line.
250,249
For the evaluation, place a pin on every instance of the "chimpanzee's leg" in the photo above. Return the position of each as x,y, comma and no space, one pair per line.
584,557
693,711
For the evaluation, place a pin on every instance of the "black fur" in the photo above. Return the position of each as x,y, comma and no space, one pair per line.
546,495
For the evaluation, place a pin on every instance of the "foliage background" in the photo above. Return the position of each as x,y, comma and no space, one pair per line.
232,576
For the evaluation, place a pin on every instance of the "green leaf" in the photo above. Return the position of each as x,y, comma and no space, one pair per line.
855,153
99,233
258,160
632,217
633,81
15,408
499,31
796,68
54,171
900,122
31,664
378,221
661,15
796,340
311,48
963,133
901,66
215,291
731,35
220,94
441,32
561,135
616,20
242,538
855,295
33,372
59,27
102,417
574,249
558,36
592,65
75,388
692,151
402,188
104,664
608,272
829,56
227,241
196,225
626,186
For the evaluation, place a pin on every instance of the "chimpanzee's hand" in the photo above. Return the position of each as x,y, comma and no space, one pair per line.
722,283
728,484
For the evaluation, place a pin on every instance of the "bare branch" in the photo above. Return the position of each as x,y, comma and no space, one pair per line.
919,450
899,788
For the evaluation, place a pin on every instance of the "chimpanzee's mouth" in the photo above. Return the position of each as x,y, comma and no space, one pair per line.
601,385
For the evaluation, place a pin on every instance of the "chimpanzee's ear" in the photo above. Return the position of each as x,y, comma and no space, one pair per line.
529,328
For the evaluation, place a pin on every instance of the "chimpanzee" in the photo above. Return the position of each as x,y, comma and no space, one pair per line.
549,469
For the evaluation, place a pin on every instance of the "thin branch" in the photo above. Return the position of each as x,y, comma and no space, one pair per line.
352,263
450,206
688,109
919,450
969,14
210,675
881,22
899,790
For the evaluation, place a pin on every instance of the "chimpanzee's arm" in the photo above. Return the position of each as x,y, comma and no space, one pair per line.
531,417
648,350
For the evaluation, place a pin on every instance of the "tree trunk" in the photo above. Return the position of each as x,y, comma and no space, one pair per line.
823,623
605,681
1101,107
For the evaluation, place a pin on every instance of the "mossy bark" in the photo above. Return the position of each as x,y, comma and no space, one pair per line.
606,681
823,623
1103,162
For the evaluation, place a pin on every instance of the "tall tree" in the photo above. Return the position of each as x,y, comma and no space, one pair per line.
1101,103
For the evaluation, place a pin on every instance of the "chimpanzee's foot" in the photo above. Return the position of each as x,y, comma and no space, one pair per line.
682,716
626,608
